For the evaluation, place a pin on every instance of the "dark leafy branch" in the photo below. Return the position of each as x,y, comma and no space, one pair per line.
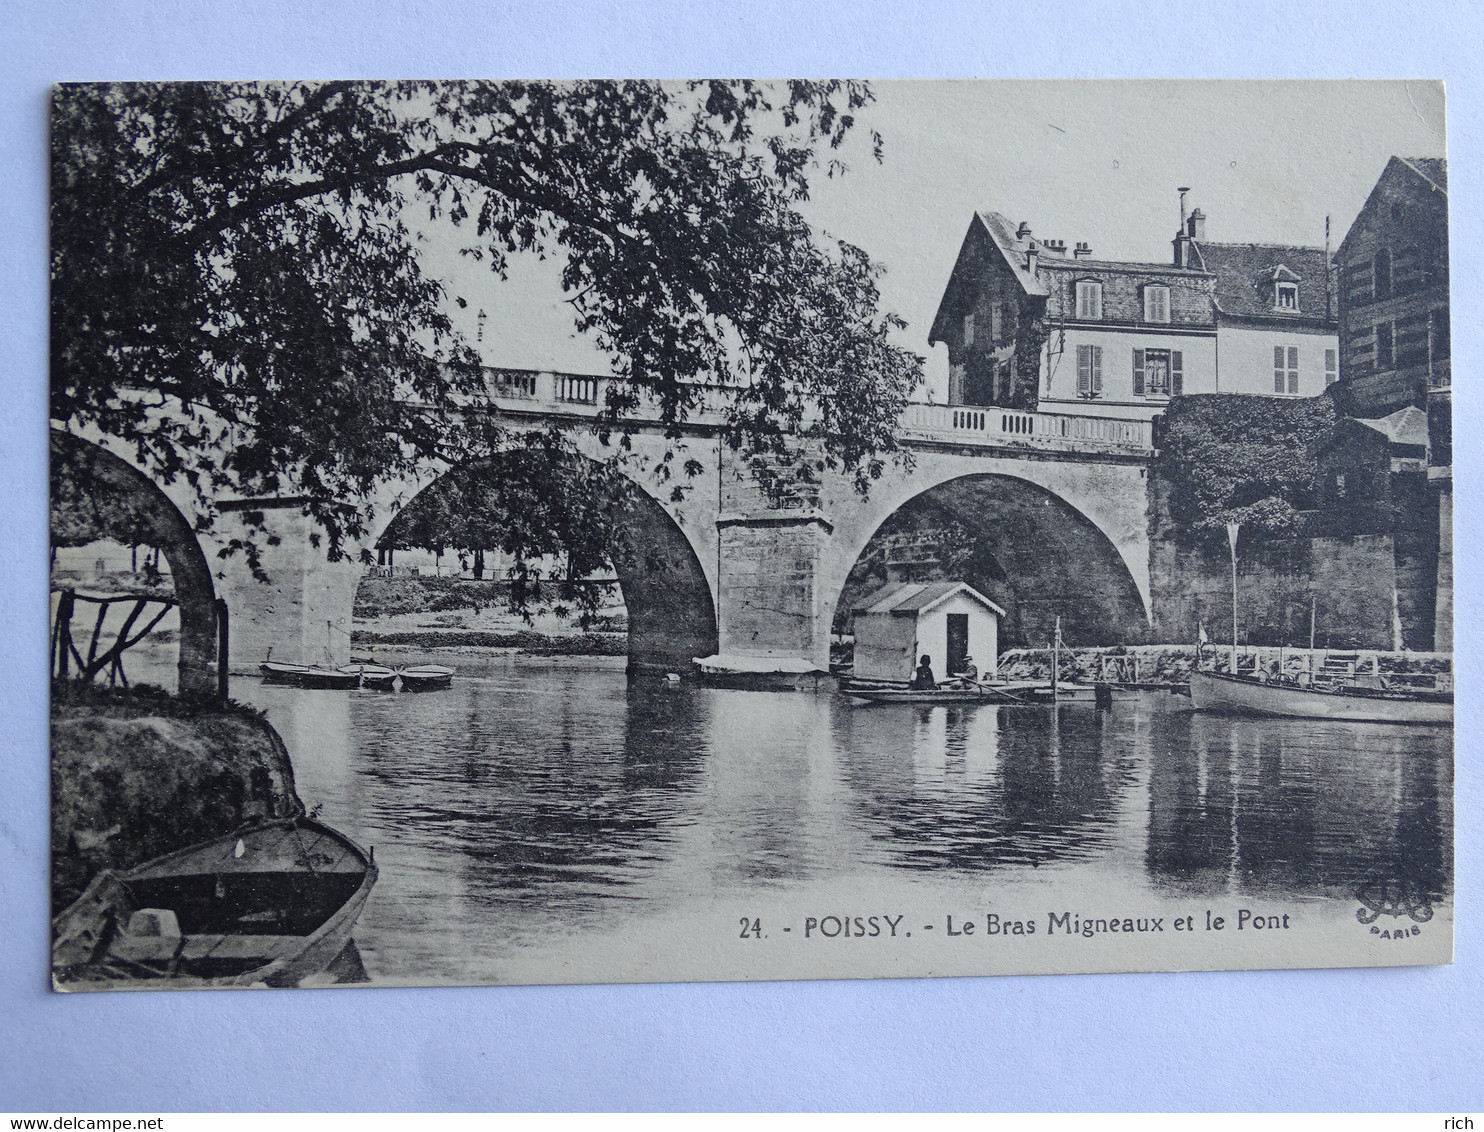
238,301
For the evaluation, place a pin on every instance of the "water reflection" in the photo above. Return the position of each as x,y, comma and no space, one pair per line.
1298,807
532,802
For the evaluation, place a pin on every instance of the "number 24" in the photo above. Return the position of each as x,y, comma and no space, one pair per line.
753,928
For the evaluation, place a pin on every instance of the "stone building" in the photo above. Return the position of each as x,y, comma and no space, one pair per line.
1029,326
1394,331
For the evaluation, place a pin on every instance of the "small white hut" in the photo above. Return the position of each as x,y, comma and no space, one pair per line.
948,621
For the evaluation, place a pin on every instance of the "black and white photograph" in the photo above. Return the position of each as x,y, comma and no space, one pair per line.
527,532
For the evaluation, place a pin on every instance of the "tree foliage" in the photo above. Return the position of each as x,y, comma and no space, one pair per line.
1235,458
237,297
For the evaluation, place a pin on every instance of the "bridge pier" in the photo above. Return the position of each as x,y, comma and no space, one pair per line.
772,601
302,613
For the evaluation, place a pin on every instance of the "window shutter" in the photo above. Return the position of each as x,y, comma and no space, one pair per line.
1293,369
1177,376
1138,373
1084,369
1096,358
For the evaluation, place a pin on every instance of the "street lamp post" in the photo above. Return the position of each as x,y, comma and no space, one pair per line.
1231,538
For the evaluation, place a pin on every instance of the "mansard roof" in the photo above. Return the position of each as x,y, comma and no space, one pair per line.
1245,274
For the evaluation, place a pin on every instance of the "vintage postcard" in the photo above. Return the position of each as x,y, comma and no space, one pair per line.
525,532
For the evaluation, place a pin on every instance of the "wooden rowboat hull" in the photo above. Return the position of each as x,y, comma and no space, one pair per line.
266,906
426,678
1215,691
937,696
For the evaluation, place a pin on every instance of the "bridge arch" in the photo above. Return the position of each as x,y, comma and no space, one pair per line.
1023,544
666,589
153,517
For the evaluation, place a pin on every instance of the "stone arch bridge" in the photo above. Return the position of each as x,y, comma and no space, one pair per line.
730,568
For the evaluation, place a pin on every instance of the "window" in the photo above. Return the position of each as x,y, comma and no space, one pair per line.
968,330
1089,371
1158,373
1089,300
1381,275
1156,304
1331,367
1286,369
1383,345
1285,297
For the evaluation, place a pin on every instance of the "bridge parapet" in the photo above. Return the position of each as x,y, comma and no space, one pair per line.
540,392
993,426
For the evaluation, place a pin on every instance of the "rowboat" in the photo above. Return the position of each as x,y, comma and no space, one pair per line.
276,672
311,676
425,677
1062,692
268,905
316,677
979,694
376,676
1244,695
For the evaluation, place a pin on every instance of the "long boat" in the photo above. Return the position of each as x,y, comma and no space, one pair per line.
277,672
268,905
312,676
317,677
1243,695
980,694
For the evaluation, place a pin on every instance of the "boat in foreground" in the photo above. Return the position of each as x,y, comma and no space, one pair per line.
1244,695
268,905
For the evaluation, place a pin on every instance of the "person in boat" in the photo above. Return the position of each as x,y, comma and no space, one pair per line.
923,681
969,677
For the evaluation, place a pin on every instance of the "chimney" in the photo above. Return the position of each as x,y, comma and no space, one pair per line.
1182,190
1195,227
1082,251
1055,247
1023,231
1030,260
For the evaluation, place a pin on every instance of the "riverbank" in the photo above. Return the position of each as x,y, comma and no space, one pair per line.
522,640
140,773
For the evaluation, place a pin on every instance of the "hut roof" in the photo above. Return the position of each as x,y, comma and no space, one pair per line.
908,599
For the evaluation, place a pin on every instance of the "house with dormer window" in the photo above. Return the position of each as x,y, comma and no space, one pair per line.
1275,310
1030,326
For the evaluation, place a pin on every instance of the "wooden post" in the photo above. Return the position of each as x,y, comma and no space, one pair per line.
222,638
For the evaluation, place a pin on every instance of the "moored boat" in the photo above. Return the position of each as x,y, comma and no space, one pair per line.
1244,695
276,672
978,694
377,677
425,677
317,677
267,905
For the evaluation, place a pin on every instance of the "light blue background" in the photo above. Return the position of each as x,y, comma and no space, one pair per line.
1403,1039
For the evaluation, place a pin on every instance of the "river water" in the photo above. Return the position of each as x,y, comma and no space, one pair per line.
548,820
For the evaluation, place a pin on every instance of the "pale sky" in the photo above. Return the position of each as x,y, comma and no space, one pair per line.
1078,160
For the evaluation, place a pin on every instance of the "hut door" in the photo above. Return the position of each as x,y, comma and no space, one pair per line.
958,642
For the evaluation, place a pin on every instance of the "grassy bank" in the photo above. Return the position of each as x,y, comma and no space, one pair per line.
139,773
